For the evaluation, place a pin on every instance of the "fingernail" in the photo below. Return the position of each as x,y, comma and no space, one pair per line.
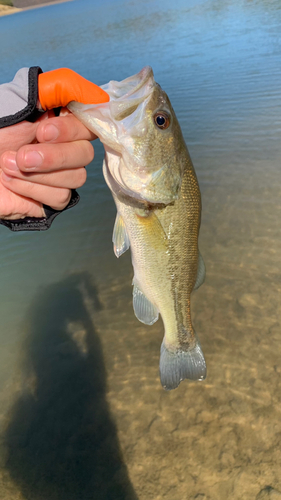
50,133
9,162
33,159
5,177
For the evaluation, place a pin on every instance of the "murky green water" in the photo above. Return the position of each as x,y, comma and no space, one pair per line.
82,414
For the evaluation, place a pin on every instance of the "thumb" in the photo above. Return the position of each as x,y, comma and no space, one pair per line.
60,86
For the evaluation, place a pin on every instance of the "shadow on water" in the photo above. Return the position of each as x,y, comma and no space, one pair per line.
61,440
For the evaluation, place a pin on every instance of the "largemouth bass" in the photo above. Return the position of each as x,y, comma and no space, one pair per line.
150,174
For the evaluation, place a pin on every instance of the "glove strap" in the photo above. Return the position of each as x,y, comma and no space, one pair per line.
39,223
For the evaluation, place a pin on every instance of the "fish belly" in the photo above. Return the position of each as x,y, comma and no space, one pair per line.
164,247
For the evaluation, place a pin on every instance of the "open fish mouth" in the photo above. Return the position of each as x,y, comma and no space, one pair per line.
128,100
125,125
126,89
114,119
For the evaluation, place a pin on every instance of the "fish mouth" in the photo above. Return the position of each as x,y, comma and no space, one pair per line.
110,121
127,96
122,125
136,84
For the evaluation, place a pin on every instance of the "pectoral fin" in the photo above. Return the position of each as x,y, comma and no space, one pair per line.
120,237
201,272
144,310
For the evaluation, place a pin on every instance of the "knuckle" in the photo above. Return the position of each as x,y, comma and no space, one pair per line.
83,152
29,187
82,177
63,159
60,199
90,151
68,127
63,198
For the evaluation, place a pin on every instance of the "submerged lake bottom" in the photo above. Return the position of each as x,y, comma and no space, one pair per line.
89,418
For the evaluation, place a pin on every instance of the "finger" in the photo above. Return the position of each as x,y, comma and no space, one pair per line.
70,178
21,133
56,198
14,206
66,128
51,157
17,135
24,207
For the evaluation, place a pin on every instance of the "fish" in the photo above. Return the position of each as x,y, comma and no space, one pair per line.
148,169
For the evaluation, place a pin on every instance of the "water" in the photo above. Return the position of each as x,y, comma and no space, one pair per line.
83,415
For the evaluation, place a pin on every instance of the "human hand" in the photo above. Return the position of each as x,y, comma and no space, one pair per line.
41,162
25,187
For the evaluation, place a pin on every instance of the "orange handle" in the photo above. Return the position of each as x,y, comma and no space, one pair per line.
58,87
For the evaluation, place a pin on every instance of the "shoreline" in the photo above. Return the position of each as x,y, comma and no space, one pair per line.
7,10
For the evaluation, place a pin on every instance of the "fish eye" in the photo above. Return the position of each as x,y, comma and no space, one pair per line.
162,120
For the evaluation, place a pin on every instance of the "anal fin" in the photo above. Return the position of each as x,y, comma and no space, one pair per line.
144,310
120,237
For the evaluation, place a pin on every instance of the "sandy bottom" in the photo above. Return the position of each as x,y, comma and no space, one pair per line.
89,419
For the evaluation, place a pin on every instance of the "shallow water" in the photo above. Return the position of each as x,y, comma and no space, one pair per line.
83,415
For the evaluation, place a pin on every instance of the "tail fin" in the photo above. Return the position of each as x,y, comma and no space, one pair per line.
178,365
